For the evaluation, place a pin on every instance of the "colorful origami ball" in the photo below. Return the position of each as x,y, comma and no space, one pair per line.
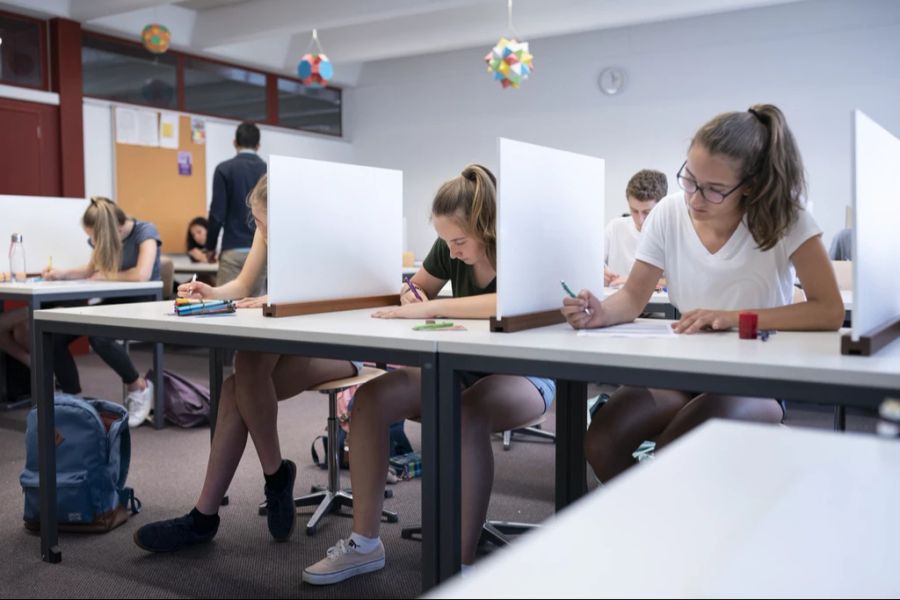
156,38
315,69
509,62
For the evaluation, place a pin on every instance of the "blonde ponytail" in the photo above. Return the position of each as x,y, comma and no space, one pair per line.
104,218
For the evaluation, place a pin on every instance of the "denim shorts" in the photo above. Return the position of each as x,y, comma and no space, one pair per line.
546,387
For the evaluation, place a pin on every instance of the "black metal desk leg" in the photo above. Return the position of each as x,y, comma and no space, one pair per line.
571,422
42,365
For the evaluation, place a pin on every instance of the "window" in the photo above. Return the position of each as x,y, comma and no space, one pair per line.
223,90
21,52
128,73
315,109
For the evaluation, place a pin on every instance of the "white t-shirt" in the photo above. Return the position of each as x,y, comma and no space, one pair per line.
738,276
621,245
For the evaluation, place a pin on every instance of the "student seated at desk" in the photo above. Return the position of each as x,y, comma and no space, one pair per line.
196,240
729,242
125,249
248,405
645,189
463,214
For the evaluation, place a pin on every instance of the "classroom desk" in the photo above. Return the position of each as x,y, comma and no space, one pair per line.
351,335
38,295
184,266
801,366
730,510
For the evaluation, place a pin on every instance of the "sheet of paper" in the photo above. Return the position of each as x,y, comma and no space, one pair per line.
646,328
148,128
126,125
168,130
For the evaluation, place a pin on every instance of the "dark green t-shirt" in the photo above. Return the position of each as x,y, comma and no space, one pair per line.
462,276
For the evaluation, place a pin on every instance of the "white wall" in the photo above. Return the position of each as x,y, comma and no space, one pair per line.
99,162
431,115
99,158
273,140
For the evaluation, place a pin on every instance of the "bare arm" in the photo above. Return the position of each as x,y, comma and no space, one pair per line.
483,306
586,311
242,286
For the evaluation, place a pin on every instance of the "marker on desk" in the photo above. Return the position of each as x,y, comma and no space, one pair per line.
410,285
438,325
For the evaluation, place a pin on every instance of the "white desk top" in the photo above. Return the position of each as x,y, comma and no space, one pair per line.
731,510
74,287
795,356
354,328
183,264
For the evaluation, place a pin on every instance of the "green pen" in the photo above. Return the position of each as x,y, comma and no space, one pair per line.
572,294
438,325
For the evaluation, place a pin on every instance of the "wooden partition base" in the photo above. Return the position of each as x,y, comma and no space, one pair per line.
527,321
322,306
873,341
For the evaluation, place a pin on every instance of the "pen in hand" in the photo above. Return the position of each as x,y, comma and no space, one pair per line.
412,288
569,291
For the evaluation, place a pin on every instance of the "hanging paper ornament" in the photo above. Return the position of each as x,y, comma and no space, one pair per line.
156,38
509,62
315,69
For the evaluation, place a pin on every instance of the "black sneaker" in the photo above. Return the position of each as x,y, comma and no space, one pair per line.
281,513
171,535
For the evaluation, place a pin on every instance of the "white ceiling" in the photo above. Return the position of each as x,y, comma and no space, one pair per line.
274,34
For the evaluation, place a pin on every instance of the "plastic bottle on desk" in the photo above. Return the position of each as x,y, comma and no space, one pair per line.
17,269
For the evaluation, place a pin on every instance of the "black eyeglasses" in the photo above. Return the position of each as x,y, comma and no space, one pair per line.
690,186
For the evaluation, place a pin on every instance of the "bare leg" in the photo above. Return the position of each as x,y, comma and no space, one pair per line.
249,404
494,403
708,406
13,330
630,416
377,404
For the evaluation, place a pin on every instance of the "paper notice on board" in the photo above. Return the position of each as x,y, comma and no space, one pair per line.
126,125
148,128
168,130
198,130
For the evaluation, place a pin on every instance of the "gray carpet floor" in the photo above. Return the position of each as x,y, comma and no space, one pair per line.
243,562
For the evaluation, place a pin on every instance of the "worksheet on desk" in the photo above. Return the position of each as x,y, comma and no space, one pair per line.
648,328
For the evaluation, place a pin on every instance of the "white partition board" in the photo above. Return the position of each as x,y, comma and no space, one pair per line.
876,217
49,226
335,230
549,226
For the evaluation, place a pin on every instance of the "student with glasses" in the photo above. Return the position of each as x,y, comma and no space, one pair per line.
729,242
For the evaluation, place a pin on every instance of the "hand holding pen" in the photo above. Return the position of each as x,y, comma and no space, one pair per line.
412,293
194,289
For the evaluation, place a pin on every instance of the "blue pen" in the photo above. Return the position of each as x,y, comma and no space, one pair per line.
410,285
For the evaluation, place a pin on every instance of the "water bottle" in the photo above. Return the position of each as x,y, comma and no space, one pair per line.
17,258
889,418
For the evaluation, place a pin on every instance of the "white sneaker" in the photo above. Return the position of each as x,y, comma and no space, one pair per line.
139,403
344,560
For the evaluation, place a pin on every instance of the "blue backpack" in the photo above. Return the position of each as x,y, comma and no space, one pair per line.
93,451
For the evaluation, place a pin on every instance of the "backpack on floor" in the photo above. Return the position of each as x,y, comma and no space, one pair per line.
187,403
93,452
398,443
